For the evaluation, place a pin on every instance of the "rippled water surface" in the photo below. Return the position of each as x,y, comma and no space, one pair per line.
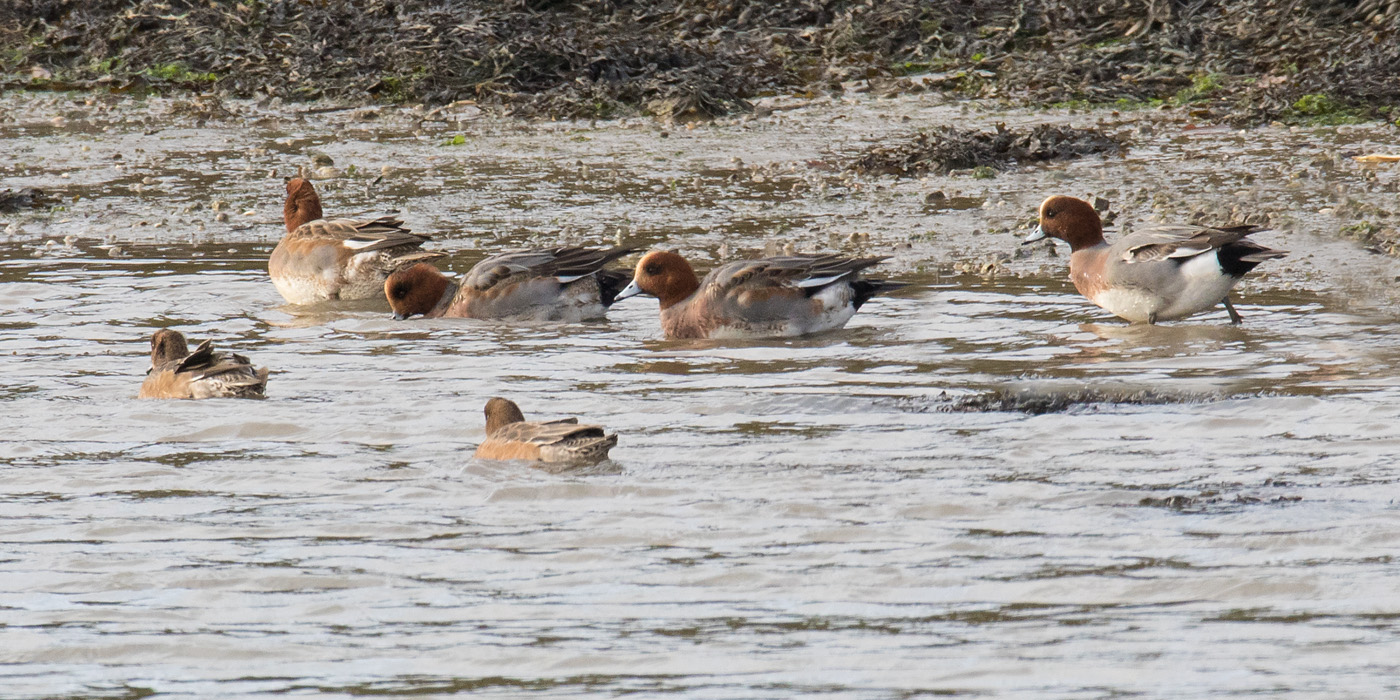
1206,511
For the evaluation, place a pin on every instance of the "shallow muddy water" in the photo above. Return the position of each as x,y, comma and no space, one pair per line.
781,518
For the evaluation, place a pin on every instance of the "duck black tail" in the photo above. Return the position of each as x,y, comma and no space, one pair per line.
1240,257
610,284
865,289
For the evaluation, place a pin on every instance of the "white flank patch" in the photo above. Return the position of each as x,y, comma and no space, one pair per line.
1203,268
821,281
1186,251
837,308
1204,285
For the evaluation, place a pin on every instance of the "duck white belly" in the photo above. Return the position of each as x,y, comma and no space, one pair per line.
1179,291
1134,305
301,290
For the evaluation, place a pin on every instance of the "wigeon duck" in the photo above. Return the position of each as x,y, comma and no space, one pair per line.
509,436
1152,274
558,284
773,297
177,373
321,259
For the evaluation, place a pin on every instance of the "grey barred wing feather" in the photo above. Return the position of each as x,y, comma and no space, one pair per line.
219,374
201,358
362,235
1183,241
416,256
565,264
570,264
779,287
560,440
799,271
549,433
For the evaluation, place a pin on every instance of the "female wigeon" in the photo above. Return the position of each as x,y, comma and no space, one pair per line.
509,436
557,284
177,373
321,259
1153,274
773,297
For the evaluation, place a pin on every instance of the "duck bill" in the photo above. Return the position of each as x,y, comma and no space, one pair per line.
1037,235
400,316
630,290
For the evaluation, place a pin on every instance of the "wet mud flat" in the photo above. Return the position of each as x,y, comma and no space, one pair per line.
1163,511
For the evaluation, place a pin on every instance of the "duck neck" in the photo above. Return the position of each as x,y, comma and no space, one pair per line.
500,414
446,291
680,285
301,210
1086,238
168,347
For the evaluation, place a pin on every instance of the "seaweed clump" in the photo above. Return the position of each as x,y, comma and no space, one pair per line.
679,59
23,198
1310,61
945,149
1213,499
1043,402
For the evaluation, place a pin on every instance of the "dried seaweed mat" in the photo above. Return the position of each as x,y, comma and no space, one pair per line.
944,149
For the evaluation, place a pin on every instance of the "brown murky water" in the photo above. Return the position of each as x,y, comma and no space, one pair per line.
783,518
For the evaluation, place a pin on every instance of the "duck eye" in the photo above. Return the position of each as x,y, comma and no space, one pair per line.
400,292
1049,213
652,269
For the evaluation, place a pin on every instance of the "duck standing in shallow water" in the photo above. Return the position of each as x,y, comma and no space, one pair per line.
557,284
177,373
510,436
1153,274
773,297
321,260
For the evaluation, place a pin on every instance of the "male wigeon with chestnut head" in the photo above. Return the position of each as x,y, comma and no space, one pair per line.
567,285
326,259
773,297
1153,274
510,436
177,373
